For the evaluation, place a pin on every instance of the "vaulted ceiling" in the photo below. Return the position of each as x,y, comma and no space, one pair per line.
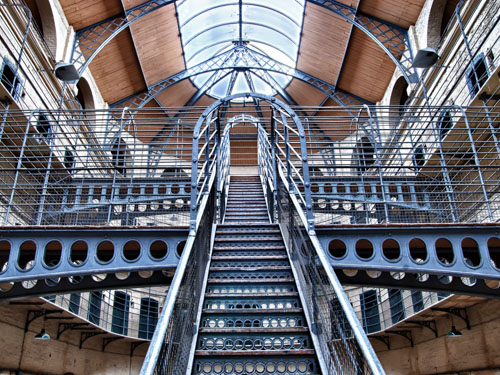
330,49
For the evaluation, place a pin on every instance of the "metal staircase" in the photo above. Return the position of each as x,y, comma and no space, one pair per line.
252,320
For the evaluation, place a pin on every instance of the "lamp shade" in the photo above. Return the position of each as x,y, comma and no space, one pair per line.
454,332
425,58
42,335
66,72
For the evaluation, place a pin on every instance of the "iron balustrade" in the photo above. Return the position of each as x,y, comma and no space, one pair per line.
339,339
436,165
170,351
68,168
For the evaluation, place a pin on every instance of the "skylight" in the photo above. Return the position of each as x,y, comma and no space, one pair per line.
267,27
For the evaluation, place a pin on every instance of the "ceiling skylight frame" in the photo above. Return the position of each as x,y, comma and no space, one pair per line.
278,40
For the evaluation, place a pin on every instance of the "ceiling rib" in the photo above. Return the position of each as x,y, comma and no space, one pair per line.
90,41
215,64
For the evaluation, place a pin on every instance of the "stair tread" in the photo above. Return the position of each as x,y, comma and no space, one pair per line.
249,281
250,268
249,257
254,330
251,295
244,353
253,311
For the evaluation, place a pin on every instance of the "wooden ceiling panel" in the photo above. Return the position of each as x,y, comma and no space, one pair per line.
324,39
127,4
81,14
367,69
397,12
156,38
177,95
305,94
116,69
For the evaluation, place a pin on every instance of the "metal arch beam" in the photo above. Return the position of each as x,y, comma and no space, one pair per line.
215,64
392,39
91,40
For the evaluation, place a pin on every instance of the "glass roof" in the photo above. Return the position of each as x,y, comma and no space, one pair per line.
269,27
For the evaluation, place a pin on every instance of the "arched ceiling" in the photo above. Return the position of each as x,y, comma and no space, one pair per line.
176,36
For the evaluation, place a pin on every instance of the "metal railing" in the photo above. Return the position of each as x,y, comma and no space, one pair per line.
436,165
171,349
339,339
379,309
68,168
129,312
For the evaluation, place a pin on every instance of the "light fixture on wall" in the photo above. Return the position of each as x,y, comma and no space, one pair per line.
454,332
425,58
66,72
42,335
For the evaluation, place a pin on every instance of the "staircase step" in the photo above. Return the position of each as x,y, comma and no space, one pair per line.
253,311
249,257
255,330
251,295
251,268
252,318
253,281
225,353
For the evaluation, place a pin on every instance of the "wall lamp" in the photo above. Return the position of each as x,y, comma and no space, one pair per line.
425,58
66,72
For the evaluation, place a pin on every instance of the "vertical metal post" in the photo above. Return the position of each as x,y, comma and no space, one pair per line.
207,152
478,164
6,102
52,135
490,125
378,161
287,154
274,164
18,166
218,155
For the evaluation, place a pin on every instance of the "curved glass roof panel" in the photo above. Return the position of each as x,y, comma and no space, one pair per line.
269,28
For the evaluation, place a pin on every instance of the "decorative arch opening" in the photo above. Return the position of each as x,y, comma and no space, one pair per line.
43,19
84,95
399,96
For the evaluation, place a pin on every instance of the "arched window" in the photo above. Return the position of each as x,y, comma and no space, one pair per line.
10,79
121,306
43,125
74,303
445,122
84,95
399,96
419,157
148,318
119,156
364,155
369,311
69,159
43,19
477,74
